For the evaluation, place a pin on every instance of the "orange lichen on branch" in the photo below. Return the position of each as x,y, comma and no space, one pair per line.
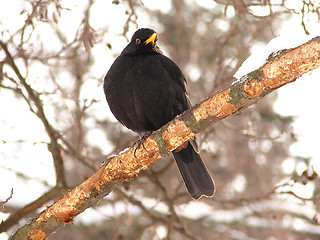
36,234
66,216
218,106
177,134
124,166
130,163
285,68
64,209
292,64
254,88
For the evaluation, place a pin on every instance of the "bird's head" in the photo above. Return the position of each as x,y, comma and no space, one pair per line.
144,40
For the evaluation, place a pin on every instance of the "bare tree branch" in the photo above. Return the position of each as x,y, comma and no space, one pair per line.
54,147
2,203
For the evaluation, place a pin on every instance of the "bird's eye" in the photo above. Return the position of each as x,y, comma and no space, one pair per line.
138,41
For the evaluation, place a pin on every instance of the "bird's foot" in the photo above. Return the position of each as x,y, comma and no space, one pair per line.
139,142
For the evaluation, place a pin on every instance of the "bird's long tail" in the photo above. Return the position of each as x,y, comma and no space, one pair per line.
194,173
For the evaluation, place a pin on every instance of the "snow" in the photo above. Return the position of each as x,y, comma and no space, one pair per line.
260,55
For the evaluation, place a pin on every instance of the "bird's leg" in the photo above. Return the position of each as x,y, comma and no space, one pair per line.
139,142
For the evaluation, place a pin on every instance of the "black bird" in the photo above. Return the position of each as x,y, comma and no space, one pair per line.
145,90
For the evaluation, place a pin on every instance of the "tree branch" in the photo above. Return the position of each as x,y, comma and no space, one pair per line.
2,203
53,147
53,193
284,68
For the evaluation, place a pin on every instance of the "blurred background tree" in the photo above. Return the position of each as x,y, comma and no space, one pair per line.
56,128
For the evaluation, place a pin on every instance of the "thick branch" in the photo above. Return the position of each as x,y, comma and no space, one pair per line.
283,69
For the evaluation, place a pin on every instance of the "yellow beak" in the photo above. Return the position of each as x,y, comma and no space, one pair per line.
151,39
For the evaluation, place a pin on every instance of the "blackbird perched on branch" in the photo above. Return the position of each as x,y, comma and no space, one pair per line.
145,90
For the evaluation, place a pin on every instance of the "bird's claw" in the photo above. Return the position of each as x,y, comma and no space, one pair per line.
139,142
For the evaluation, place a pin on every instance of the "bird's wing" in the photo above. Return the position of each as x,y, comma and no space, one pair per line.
178,77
